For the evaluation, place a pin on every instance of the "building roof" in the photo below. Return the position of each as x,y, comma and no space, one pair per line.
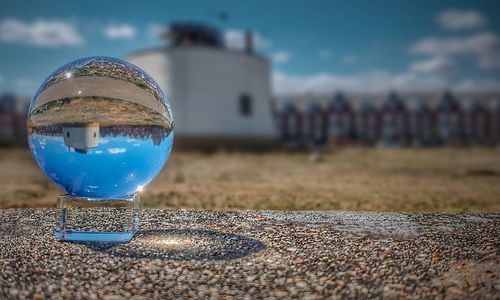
393,103
367,106
289,108
475,106
314,107
421,106
166,49
193,34
448,103
339,103
7,103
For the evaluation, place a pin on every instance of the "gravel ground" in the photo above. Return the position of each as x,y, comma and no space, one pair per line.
253,254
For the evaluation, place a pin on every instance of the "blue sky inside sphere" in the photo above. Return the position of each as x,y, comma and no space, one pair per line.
119,166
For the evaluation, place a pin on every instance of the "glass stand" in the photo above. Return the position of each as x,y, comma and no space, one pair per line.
98,220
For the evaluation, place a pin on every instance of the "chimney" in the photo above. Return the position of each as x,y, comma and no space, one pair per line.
248,41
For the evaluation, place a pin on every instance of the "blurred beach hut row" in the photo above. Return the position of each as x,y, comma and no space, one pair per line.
390,123
13,111
383,120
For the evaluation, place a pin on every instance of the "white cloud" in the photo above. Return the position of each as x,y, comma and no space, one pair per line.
349,59
434,65
235,39
483,47
121,31
325,54
40,33
376,81
117,150
455,19
156,30
478,85
280,57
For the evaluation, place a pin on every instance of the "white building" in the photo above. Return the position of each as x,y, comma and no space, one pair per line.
217,95
81,137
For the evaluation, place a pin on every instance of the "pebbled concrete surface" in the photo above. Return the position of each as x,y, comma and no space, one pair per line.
252,254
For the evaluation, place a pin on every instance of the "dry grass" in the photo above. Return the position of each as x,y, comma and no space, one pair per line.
106,111
437,180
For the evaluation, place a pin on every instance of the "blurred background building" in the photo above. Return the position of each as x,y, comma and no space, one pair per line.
389,119
219,96
291,80
13,113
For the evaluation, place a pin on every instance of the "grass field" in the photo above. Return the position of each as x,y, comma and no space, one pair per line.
437,180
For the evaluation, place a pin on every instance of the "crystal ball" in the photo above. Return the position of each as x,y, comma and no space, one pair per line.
100,127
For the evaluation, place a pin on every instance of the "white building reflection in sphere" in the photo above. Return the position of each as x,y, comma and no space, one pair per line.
81,137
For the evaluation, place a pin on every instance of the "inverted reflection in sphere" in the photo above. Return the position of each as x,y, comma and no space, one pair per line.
100,127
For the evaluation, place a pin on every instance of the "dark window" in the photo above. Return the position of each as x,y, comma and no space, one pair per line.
95,134
67,134
245,105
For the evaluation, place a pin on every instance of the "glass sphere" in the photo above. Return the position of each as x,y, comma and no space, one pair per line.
100,127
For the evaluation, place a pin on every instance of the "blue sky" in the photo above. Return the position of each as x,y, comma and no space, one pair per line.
315,46
119,166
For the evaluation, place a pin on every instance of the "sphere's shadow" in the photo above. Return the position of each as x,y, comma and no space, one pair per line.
183,244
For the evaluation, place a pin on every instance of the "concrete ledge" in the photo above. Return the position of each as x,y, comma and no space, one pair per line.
250,254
